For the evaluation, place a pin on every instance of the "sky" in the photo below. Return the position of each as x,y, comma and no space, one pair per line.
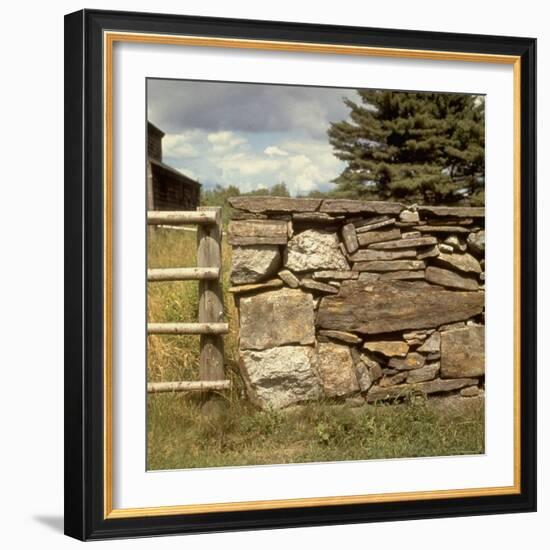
249,135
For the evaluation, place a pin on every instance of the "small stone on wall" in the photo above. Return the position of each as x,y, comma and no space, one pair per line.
314,250
463,352
252,264
335,366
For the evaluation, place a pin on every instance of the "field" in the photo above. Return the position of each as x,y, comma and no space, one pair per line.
179,436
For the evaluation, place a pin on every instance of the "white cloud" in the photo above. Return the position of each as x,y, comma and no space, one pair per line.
250,165
273,150
179,146
231,158
305,167
224,141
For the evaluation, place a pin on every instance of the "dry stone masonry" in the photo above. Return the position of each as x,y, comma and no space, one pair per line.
358,300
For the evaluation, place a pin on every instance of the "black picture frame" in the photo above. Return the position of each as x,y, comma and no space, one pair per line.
84,282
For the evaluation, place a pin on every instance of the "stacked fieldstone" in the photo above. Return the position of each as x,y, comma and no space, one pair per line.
357,299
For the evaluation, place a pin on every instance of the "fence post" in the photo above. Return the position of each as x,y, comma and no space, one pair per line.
209,254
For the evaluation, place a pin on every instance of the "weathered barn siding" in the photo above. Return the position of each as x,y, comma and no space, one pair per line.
171,190
154,142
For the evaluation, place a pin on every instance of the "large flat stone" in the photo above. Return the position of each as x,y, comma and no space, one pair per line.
377,236
276,318
378,307
317,218
368,225
369,255
336,369
463,352
252,232
343,206
454,211
405,243
442,229
390,265
314,250
402,276
450,279
252,264
377,393
334,275
281,376
244,215
268,204
370,276
459,262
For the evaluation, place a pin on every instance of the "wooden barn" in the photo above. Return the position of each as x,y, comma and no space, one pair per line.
167,188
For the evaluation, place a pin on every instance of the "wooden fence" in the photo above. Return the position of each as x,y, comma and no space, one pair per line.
210,323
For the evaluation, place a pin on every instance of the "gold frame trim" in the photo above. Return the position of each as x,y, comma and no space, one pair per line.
109,39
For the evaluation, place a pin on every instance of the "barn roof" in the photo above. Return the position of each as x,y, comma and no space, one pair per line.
155,129
173,172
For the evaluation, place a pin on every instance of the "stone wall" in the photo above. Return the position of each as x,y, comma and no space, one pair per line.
359,300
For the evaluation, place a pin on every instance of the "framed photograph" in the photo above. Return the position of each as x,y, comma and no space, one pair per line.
300,274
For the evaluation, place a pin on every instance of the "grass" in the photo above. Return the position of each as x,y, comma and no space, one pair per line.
179,436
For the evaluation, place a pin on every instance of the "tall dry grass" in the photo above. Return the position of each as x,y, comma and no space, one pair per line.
173,358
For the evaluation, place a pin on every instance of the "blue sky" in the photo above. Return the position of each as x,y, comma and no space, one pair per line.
249,135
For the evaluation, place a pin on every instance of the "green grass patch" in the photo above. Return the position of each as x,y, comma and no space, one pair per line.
181,437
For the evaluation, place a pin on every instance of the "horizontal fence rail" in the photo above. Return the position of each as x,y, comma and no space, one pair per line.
183,274
210,311
187,328
201,385
192,217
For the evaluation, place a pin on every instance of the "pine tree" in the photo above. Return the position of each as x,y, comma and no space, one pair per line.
420,147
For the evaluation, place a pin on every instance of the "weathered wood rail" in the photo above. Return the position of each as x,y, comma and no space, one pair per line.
183,273
210,326
187,328
164,387
192,217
